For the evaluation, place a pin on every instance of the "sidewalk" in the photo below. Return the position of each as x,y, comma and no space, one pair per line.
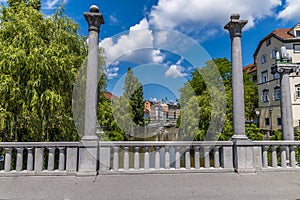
155,186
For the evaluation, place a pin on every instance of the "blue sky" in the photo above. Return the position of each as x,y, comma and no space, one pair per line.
200,20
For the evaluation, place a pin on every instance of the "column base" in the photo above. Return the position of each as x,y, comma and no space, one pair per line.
88,156
243,156
239,137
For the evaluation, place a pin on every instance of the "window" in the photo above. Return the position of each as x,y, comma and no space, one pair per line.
279,121
277,93
263,59
268,42
297,33
265,96
264,76
267,121
297,87
273,54
254,78
296,48
276,75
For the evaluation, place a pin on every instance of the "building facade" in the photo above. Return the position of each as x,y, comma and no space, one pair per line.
268,110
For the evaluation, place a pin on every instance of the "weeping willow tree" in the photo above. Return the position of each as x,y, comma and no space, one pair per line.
39,59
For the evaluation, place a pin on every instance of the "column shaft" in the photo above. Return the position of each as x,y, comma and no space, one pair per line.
286,108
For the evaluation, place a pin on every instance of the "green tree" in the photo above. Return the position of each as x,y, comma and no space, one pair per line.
39,59
133,90
106,119
189,120
206,85
253,132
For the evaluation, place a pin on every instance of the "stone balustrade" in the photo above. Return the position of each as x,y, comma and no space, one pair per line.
39,158
62,158
276,155
144,157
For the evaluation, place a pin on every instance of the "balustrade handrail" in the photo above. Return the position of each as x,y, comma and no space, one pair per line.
39,144
166,143
276,143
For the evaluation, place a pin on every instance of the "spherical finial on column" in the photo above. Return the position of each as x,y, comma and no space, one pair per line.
235,16
94,9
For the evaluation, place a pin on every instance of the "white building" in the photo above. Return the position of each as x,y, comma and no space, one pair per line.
269,83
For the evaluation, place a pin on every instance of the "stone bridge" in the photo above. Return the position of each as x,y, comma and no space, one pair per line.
89,169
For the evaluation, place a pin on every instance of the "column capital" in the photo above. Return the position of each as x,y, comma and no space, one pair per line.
284,68
94,18
235,26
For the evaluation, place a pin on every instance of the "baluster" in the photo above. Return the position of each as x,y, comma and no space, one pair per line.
51,159
19,164
126,158
167,157
197,157
274,156
7,166
217,157
136,158
187,158
265,156
39,159
116,158
146,159
29,159
177,157
61,166
293,156
157,158
206,157
283,156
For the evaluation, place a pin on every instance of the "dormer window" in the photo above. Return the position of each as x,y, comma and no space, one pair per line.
297,33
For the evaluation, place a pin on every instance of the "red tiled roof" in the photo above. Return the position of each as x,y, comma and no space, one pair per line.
110,96
281,34
250,68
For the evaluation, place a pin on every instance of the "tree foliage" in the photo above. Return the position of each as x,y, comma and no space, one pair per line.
133,90
39,59
206,85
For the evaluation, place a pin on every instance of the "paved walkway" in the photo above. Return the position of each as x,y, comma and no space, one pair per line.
155,186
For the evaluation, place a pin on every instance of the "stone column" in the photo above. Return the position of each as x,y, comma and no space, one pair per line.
286,106
235,29
94,19
243,148
88,147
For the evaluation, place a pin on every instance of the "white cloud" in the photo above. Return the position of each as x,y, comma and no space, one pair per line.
138,37
176,70
194,15
52,4
112,72
134,46
157,56
291,10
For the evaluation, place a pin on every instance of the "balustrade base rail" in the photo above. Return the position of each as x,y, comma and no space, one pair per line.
62,158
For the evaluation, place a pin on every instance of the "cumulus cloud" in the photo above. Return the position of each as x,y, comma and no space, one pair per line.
112,72
134,46
176,70
51,4
191,15
138,37
290,11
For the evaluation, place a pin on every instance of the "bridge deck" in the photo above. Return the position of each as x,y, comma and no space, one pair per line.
155,186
